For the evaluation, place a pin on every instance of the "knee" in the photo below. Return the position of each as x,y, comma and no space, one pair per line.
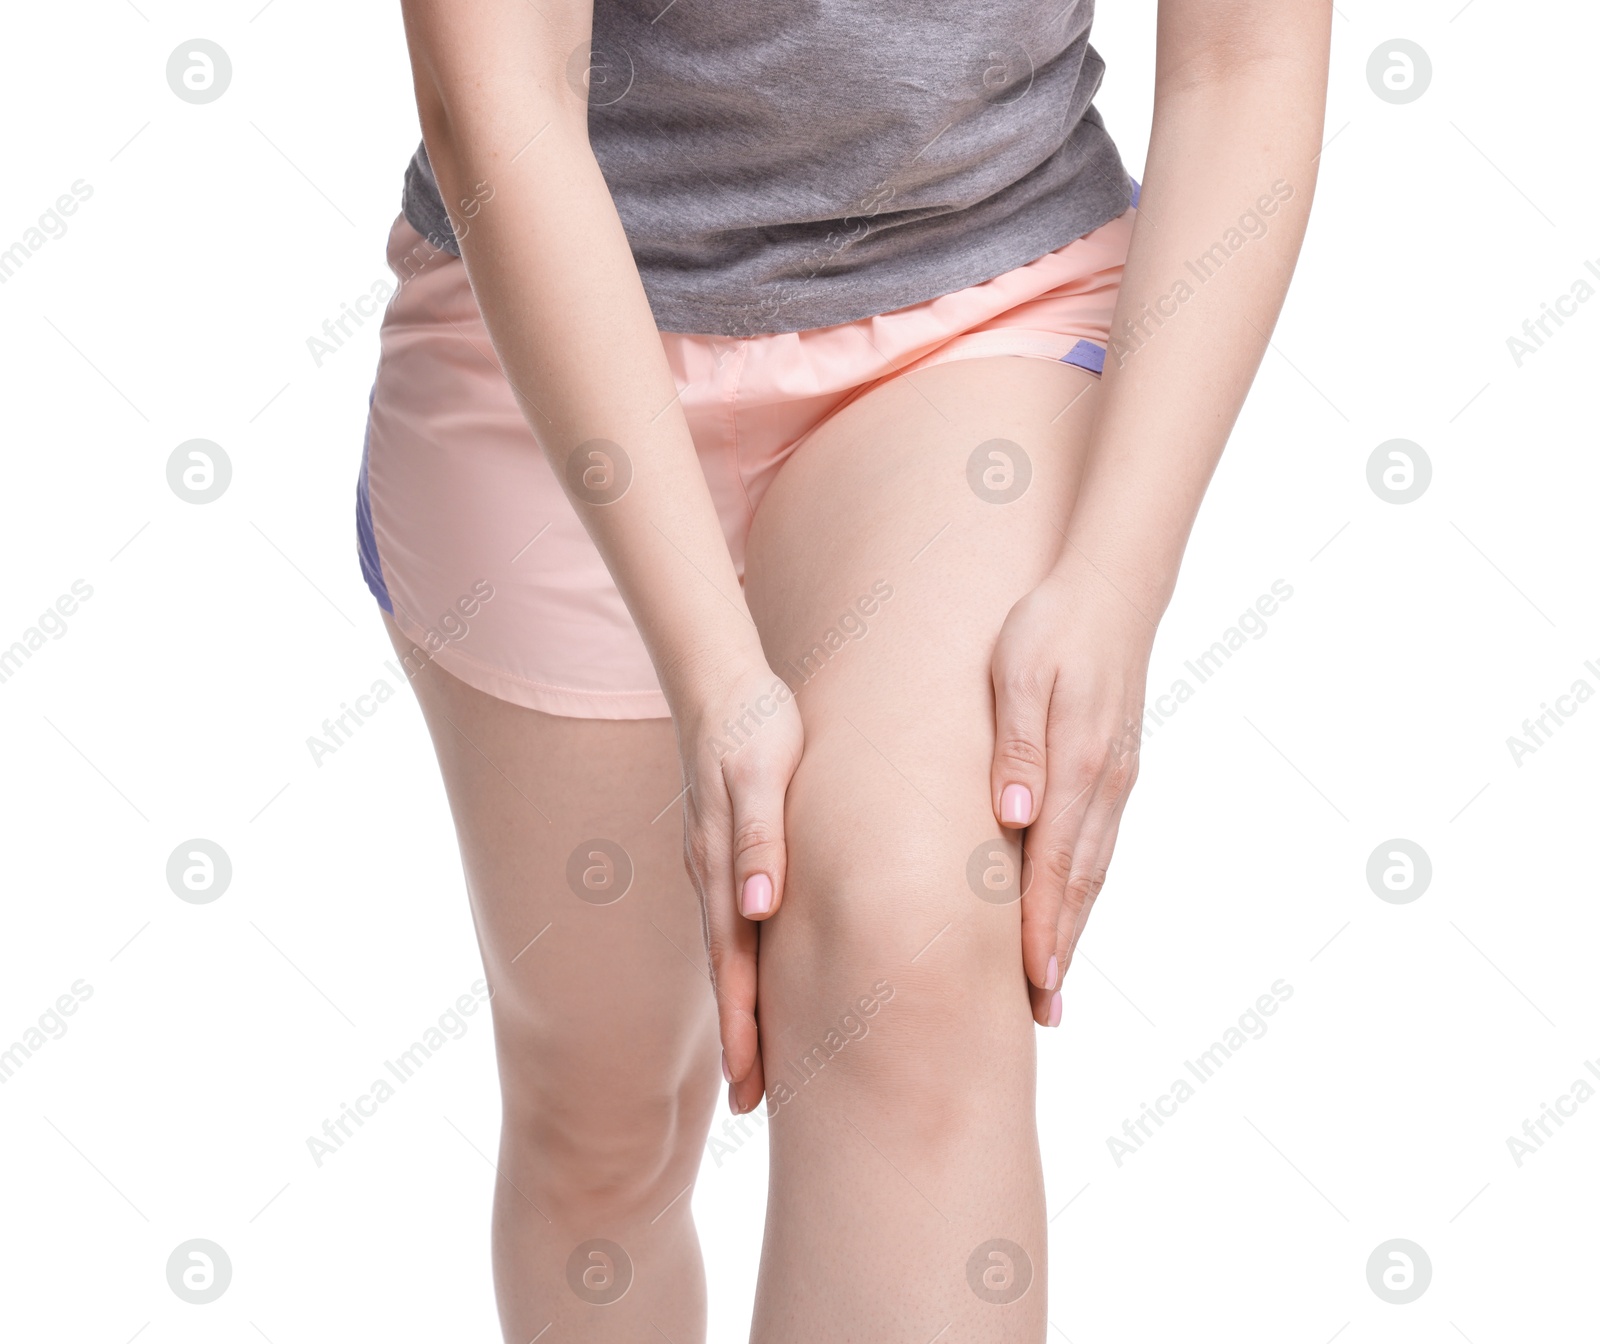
592,1135
900,887
590,1162
887,971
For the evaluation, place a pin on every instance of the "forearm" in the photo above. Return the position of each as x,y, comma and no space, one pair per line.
1206,275
561,298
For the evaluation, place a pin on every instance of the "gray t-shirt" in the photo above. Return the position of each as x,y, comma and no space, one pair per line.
780,165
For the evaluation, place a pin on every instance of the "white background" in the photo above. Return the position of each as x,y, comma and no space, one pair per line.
1419,1036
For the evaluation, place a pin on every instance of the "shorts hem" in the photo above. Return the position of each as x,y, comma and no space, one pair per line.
567,702
1008,341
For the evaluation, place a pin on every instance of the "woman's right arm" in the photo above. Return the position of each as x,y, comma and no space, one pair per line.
553,273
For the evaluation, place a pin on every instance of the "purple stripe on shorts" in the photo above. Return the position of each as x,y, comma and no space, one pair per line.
1086,355
366,543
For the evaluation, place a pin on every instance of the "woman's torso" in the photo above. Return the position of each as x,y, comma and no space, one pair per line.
794,164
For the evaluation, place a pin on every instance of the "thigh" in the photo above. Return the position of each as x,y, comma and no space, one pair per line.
881,565
572,843
883,562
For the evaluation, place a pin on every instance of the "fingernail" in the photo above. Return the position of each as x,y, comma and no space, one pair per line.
756,898
1054,1019
1016,804
726,1076
1050,972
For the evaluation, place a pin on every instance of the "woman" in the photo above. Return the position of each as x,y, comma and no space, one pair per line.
786,420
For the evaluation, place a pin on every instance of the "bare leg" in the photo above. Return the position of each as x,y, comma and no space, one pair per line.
906,1199
603,1015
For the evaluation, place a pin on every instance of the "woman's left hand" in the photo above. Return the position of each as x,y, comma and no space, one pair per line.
1069,680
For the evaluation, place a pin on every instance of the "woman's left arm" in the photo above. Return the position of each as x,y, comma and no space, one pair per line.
1237,129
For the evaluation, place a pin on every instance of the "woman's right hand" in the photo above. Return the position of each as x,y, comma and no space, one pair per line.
739,739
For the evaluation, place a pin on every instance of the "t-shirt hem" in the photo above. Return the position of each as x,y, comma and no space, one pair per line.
704,315
848,297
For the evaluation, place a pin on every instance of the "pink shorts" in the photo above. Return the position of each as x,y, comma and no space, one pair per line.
468,539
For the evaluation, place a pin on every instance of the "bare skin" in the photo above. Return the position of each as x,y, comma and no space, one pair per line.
893,1159
1236,133
1000,689
605,1027
914,1145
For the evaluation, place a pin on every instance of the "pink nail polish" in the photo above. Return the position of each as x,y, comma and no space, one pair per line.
726,1076
1016,804
1050,973
1054,1019
756,898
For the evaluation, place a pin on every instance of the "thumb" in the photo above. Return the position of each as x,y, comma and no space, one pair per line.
756,790
1017,776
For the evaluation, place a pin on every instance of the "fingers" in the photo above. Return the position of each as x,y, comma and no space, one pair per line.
1095,845
738,859
1041,920
1017,773
1046,1005
756,797
1048,850
731,946
744,1093
1068,849
756,794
